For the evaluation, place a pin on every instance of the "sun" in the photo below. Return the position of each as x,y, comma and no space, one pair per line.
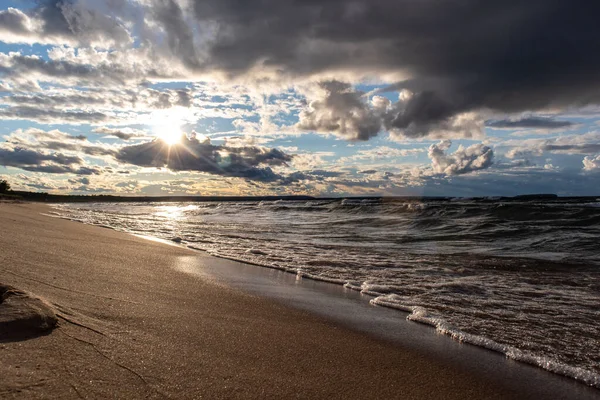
171,138
166,124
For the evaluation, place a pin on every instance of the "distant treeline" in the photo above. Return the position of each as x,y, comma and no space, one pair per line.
59,198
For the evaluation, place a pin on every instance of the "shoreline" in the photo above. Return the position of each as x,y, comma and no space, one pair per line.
414,314
240,344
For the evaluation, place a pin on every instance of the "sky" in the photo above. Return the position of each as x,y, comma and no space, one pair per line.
281,97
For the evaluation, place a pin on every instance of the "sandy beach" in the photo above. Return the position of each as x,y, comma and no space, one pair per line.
131,324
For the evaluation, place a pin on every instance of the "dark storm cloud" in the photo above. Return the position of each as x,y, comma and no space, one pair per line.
473,45
38,150
51,13
508,56
180,36
37,161
252,163
457,56
345,111
531,122
341,110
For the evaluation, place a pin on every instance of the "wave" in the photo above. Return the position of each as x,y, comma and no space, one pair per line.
421,315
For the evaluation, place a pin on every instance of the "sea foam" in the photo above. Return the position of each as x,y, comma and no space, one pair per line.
421,315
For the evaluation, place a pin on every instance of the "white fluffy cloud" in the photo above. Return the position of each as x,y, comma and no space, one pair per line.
591,163
463,160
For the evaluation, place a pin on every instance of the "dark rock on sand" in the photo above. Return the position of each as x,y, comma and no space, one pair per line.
22,315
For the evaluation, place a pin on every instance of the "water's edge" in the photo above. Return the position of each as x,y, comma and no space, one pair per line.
353,310
411,313
420,315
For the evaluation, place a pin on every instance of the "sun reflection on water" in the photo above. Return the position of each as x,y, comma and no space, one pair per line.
174,212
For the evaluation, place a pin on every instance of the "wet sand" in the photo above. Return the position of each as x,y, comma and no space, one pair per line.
134,324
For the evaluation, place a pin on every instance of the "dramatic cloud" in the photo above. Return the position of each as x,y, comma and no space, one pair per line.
462,161
343,111
458,57
38,150
398,73
420,114
549,65
248,162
